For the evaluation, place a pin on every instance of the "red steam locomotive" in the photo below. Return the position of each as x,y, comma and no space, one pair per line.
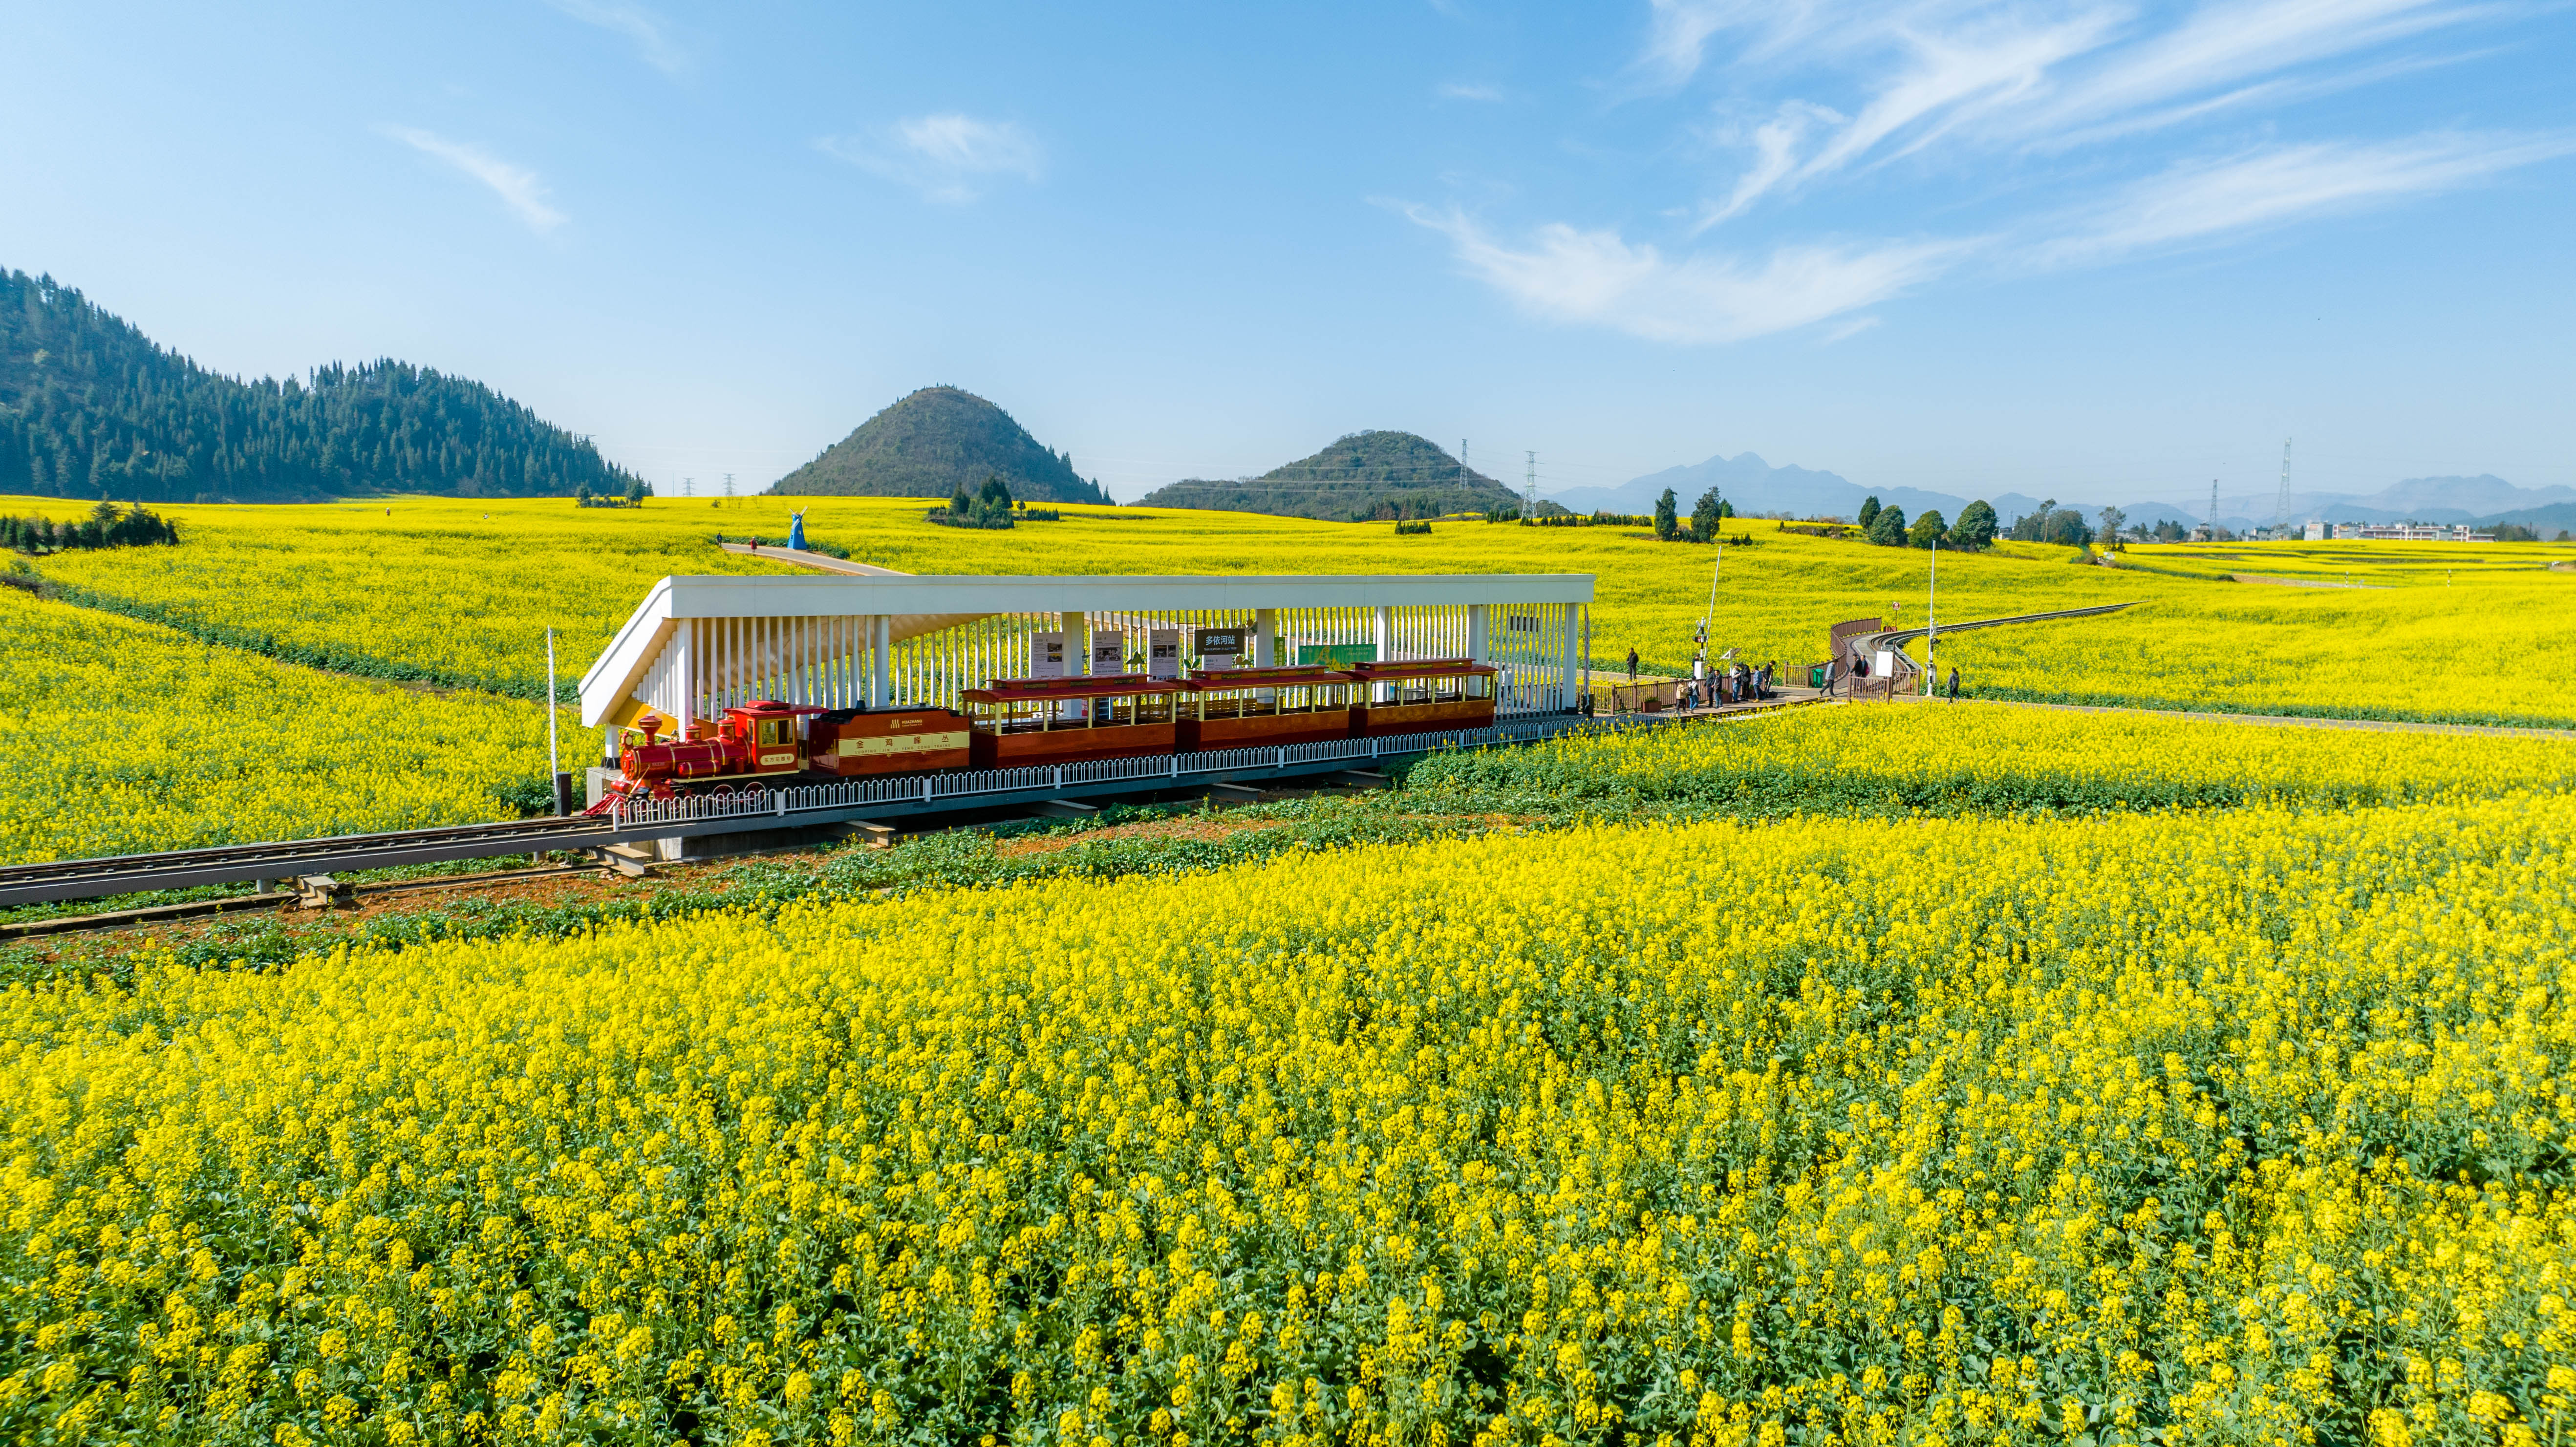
1012,722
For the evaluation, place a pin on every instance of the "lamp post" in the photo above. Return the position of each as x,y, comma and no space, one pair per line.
1932,626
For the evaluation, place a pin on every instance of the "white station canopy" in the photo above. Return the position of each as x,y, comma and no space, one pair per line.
822,637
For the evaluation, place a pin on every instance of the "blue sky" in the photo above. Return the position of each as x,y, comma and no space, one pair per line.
2088,248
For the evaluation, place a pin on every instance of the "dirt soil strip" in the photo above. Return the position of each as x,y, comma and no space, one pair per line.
1203,829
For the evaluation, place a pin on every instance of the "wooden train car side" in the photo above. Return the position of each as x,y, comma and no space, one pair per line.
1420,695
1019,722
856,743
1241,708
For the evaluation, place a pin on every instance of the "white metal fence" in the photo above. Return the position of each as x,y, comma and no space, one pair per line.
1175,769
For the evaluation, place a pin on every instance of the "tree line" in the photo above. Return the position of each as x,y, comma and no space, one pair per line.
91,408
107,526
1707,515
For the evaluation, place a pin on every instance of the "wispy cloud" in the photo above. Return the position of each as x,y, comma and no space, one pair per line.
2004,75
1460,90
2056,123
517,186
2202,201
1596,277
947,158
650,32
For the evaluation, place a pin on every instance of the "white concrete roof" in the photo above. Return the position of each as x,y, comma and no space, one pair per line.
921,604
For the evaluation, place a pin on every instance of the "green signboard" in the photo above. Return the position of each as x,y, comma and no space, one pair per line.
1333,655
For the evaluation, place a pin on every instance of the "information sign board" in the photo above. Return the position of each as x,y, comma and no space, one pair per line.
1218,647
1334,655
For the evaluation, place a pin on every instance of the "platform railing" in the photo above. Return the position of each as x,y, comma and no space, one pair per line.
792,799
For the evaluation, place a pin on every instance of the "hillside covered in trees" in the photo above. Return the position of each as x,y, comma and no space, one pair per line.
91,408
934,442
1361,476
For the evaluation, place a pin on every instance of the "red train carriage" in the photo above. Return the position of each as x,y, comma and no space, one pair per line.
1420,695
850,743
1023,721
1012,722
1239,708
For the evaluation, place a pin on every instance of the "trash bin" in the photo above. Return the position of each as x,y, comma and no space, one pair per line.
1816,675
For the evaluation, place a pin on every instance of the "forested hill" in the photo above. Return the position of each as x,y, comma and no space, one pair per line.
934,441
90,408
1362,475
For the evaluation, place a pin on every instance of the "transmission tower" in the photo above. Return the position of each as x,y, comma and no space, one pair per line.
2213,509
1532,486
1462,463
2281,523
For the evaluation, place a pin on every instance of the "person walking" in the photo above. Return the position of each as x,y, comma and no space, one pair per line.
1954,685
1632,665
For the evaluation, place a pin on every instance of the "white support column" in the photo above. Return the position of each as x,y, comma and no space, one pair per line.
1476,645
685,665
1265,637
1077,644
880,665
1565,669
1384,635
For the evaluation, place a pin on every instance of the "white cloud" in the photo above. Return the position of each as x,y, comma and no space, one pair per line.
651,34
2051,120
2002,74
1460,90
945,157
2205,200
518,187
1597,278
2226,44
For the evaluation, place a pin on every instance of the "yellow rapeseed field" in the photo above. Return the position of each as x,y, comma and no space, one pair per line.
1990,757
468,587
121,737
2241,1126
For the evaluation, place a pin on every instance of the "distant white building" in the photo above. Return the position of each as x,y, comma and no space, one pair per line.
2409,533
2316,532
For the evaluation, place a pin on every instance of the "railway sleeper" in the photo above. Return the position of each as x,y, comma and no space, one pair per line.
632,860
321,891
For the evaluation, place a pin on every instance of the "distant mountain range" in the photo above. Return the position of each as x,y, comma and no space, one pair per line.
1358,477
1755,486
933,441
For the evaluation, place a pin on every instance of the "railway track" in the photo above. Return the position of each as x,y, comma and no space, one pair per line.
793,808
64,879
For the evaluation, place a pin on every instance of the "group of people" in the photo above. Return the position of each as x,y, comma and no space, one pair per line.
1742,683
1736,683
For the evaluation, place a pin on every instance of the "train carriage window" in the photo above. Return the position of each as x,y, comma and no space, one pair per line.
773,731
